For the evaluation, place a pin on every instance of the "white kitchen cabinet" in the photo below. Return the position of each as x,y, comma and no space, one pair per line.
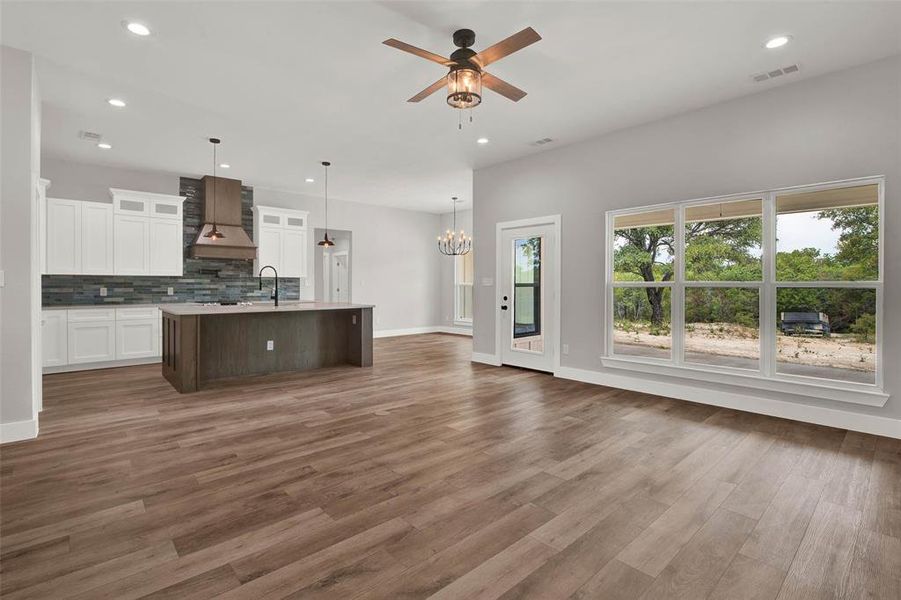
63,236
148,233
166,247
132,245
282,237
54,335
137,332
294,256
96,238
91,335
269,250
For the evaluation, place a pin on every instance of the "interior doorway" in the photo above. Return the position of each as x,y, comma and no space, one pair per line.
333,267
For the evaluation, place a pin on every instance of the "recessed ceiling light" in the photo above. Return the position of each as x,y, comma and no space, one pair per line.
309,180
116,102
104,146
777,42
482,141
137,28
224,166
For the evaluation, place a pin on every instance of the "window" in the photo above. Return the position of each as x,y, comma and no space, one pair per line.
783,285
463,278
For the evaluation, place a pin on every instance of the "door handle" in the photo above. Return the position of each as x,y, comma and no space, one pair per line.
503,307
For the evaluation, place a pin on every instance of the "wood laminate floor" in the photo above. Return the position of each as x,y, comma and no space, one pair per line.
429,476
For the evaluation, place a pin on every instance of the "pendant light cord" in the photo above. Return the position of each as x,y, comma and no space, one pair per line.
326,201
214,185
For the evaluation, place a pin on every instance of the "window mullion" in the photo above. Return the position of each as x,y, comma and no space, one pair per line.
768,290
677,295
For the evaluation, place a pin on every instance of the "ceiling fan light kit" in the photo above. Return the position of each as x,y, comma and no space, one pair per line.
466,76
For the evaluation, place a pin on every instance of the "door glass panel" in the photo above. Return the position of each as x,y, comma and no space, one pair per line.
527,305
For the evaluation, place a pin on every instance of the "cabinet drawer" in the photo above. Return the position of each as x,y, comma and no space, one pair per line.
130,314
87,315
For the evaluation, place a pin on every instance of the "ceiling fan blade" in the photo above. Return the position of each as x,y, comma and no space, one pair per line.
429,90
417,51
502,87
515,42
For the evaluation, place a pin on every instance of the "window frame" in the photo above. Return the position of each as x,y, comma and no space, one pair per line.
459,319
766,376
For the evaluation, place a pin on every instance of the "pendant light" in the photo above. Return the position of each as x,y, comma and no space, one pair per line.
214,233
325,242
452,243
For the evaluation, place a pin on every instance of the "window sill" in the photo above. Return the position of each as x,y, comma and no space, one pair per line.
867,395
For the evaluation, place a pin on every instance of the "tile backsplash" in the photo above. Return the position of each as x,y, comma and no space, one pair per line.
204,280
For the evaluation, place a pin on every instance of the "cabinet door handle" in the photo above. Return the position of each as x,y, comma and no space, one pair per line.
503,307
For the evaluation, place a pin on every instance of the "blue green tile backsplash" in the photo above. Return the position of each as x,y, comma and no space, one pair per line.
204,280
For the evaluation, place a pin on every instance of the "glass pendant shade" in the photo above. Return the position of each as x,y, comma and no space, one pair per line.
464,88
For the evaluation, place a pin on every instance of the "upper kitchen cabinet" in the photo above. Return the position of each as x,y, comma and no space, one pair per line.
282,240
138,234
148,233
63,236
79,237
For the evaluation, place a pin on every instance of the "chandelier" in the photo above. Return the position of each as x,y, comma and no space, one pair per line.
453,243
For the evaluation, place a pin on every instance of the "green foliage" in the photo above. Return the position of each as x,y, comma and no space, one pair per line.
864,328
728,250
858,242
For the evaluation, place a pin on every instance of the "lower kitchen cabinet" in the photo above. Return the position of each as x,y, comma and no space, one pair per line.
54,338
100,337
137,333
92,341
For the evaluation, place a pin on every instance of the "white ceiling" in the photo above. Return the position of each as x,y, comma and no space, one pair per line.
288,84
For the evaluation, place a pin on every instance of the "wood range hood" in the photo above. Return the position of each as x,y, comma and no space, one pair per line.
225,207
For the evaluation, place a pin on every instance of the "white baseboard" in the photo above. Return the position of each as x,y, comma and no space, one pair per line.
383,333
109,364
467,331
18,431
818,415
486,359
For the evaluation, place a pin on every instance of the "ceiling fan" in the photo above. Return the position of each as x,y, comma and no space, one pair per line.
466,76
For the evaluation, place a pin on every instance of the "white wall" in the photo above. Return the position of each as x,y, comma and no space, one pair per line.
837,126
81,181
394,262
464,222
20,166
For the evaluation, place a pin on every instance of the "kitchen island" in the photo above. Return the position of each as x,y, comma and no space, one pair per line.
204,343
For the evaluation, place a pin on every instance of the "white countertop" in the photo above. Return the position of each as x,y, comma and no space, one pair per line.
107,305
257,307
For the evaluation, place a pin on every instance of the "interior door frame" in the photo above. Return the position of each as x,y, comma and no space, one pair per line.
555,222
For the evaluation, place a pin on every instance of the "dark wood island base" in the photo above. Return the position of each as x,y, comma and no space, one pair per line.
202,344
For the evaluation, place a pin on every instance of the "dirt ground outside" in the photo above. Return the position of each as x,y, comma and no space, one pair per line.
726,339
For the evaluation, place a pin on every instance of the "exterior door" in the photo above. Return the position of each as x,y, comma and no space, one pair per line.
527,304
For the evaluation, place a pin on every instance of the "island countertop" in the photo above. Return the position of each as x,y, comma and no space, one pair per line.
257,307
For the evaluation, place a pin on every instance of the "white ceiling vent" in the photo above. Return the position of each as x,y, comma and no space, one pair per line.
542,142
89,136
759,77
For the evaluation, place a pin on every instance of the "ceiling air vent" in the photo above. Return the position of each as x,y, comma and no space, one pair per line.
759,77
542,141
89,136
